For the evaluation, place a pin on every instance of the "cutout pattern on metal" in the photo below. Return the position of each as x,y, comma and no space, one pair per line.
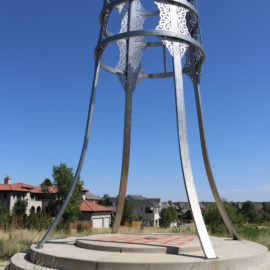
194,57
138,44
165,23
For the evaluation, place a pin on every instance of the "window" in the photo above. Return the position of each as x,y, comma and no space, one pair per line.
5,195
149,209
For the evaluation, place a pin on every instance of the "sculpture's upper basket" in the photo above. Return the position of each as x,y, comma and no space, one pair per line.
178,22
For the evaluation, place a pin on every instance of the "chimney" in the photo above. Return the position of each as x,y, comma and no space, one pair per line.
7,180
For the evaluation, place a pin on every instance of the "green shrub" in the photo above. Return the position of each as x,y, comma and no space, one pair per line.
4,217
80,228
214,220
167,216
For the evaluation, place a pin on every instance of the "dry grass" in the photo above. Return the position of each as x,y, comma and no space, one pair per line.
15,241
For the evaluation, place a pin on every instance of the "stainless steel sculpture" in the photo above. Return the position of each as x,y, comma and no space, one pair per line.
178,31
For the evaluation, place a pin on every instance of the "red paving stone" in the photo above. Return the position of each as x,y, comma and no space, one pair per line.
159,240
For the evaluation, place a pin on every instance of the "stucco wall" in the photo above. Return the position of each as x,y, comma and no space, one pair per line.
154,216
13,197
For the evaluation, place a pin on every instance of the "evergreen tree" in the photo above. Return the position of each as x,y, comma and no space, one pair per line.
128,212
249,212
62,179
105,200
19,208
4,217
167,216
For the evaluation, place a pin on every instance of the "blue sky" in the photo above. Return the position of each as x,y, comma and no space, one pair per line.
46,69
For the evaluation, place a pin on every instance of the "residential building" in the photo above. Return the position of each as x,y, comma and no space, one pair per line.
33,195
92,197
36,202
146,208
98,214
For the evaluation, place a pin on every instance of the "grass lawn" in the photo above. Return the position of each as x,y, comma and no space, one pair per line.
249,232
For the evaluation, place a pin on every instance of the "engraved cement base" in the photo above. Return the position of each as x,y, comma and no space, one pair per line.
142,252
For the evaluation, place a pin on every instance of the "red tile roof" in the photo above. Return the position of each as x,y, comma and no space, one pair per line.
87,206
21,187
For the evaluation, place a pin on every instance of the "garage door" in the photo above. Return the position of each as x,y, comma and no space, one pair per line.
97,222
106,222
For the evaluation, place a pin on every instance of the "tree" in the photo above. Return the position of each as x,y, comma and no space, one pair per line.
19,208
249,212
46,183
266,212
174,214
128,212
187,216
19,216
266,207
167,216
38,222
105,200
62,179
214,220
4,217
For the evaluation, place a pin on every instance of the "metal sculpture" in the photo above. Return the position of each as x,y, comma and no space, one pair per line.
178,31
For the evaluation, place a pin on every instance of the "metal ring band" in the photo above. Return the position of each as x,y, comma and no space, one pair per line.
158,33
183,3
140,75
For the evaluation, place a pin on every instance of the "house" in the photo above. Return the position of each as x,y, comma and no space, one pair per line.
98,214
11,193
36,202
92,197
146,208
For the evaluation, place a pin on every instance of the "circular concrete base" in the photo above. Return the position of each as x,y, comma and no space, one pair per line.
143,252
143,243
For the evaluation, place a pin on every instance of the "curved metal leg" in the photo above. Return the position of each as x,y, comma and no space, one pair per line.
129,88
80,164
185,159
125,163
207,165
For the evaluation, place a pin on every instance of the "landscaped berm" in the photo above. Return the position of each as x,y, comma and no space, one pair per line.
142,252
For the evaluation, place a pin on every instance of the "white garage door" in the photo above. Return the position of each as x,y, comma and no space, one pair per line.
97,222
106,222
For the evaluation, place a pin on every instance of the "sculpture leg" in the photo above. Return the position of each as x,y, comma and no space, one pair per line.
80,164
185,159
125,163
207,165
129,88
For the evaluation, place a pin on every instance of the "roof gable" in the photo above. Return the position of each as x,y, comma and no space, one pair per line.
87,206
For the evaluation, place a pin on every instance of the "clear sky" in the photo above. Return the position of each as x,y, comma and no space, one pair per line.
46,70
